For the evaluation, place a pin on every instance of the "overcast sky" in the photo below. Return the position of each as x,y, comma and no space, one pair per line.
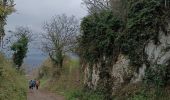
33,13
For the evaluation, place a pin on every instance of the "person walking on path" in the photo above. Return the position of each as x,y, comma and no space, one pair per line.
34,83
37,84
31,84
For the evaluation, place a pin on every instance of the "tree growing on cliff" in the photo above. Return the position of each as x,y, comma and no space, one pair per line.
20,47
97,46
119,8
94,6
60,37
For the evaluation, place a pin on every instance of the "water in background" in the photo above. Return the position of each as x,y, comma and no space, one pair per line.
32,14
33,59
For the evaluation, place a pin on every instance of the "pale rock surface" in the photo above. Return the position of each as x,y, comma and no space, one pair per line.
122,72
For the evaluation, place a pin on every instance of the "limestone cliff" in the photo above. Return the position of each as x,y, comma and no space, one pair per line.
123,73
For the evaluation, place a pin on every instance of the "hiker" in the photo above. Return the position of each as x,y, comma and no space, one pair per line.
37,84
31,84
34,83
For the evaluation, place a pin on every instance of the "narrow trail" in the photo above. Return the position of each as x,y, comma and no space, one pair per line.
43,95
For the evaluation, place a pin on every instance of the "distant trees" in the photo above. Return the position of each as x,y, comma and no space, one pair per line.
20,47
60,37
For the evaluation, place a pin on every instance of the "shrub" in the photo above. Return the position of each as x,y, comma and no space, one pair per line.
12,85
83,95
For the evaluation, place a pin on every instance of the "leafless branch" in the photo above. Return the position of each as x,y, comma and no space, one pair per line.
97,5
60,34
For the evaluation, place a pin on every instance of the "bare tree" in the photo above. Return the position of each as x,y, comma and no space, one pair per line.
13,36
97,5
22,31
60,37
118,7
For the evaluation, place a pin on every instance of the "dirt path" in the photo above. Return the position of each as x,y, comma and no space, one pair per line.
43,95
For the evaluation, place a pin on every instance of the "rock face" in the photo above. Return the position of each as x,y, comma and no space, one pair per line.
122,73
91,75
159,54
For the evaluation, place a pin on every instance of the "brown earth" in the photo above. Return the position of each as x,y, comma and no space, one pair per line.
43,95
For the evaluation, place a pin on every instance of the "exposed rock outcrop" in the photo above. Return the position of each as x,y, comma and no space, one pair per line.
123,73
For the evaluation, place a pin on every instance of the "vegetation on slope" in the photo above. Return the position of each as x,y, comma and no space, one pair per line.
105,35
12,84
70,83
70,78
96,45
20,46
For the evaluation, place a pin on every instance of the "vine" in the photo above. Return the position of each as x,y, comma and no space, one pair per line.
96,45
6,8
99,32
104,36
146,19
20,49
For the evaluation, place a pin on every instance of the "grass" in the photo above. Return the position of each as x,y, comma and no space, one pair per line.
83,95
70,78
152,94
70,83
43,81
12,84
142,92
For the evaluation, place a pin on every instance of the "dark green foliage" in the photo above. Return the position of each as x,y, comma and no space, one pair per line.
150,95
99,32
23,36
146,19
20,49
84,95
96,44
156,75
105,36
13,85
103,33
5,10
57,57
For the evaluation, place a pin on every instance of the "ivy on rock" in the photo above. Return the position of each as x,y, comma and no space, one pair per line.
105,35
96,45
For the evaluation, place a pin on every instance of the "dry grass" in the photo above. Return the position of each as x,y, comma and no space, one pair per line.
140,92
69,79
70,83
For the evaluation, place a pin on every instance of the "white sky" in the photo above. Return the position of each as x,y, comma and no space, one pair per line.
33,13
